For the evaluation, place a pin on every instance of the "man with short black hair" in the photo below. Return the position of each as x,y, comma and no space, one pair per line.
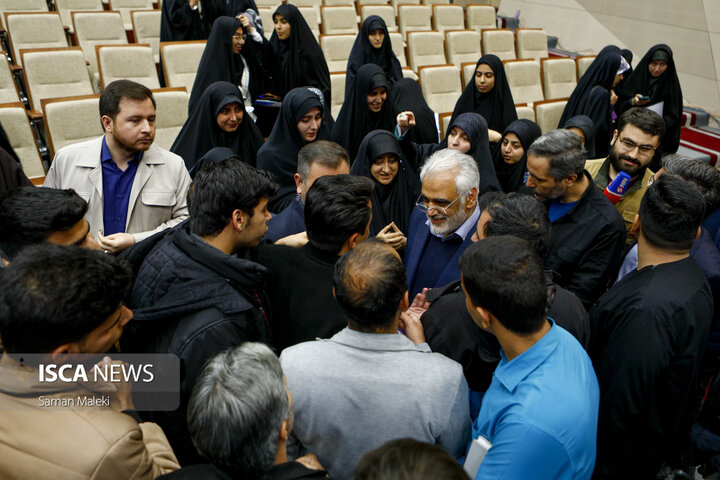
315,160
369,384
648,335
30,215
540,412
638,135
59,300
195,295
133,188
337,216
588,234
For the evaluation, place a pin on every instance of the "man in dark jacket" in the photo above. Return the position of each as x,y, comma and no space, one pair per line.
195,295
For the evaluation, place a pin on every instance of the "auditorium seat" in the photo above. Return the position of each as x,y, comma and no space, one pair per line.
441,87
398,46
34,30
9,92
480,17
523,111
462,46
548,113
314,4
132,62
336,49
468,71
396,3
146,27
349,3
267,20
310,14
171,113
336,20
271,4
385,12
408,73
337,85
15,122
500,42
413,18
523,77
531,43
444,124
448,17
65,7
21,6
71,120
180,62
361,3
55,72
583,62
559,77
97,28
425,48
125,6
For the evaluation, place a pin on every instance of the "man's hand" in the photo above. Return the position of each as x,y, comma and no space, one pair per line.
121,399
405,120
297,240
115,243
420,300
310,461
412,326
193,3
245,23
392,235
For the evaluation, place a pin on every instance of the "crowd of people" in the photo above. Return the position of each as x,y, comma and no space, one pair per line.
360,298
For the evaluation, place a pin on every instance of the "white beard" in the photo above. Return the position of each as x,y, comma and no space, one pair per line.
451,223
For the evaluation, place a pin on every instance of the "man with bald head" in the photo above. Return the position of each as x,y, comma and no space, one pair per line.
369,384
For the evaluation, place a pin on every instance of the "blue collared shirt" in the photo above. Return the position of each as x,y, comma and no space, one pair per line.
540,413
117,185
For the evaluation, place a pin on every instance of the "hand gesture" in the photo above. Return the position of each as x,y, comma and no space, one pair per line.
405,120
637,102
420,300
115,243
245,23
392,235
412,326
613,97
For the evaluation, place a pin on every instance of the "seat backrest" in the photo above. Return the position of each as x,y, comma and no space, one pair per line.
15,122
336,49
71,120
271,4
500,42
360,3
66,7
407,73
21,6
441,87
412,18
337,85
462,46
8,87
531,43
97,28
34,30
312,18
548,113
425,48
171,113
55,72
132,62
468,71
523,111
339,19
180,62
350,3
558,76
444,123
146,26
267,20
583,62
398,46
386,12
448,17
125,6
396,3
480,17
523,77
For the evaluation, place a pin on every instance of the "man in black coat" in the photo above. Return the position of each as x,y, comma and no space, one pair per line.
195,295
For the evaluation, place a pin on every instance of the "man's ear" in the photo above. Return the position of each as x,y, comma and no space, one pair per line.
353,240
298,184
238,220
471,199
65,349
107,123
486,318
405,302
635,228
615,136
699,232
284,432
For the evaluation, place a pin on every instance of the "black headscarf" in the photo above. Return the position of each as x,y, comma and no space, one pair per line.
512,177
219,63
279,154
302,62
217,154
201,131
232,8
665,88
407,95
393,202
475,127
584,123
363,52
179,22
496,106
355,119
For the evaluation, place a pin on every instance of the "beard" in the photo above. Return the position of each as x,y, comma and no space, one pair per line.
132,147
616,161
451,223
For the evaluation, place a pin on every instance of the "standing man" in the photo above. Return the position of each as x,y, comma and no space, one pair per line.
587,234
133,188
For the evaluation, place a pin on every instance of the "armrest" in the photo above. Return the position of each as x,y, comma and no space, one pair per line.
34,114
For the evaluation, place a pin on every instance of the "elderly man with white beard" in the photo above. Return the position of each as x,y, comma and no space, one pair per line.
442,225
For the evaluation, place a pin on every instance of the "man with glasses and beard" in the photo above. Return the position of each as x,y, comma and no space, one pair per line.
633,146
442,225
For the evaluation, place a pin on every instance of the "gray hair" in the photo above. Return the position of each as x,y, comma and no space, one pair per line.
468,176
701,174
326,153
237,407
565,151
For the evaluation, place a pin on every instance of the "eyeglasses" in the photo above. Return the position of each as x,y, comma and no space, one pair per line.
240,37
421,201
629,146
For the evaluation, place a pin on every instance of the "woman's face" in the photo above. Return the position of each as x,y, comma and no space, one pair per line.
657,67
230,117
238,40
484,78
376,37
617,79
384,168
309,124
578,132
512,149
282,27
376,99
458,140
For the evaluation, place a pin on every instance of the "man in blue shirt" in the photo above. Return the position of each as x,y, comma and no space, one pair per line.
540,412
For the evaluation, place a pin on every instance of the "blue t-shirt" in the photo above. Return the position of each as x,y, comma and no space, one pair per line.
558,209
540,413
